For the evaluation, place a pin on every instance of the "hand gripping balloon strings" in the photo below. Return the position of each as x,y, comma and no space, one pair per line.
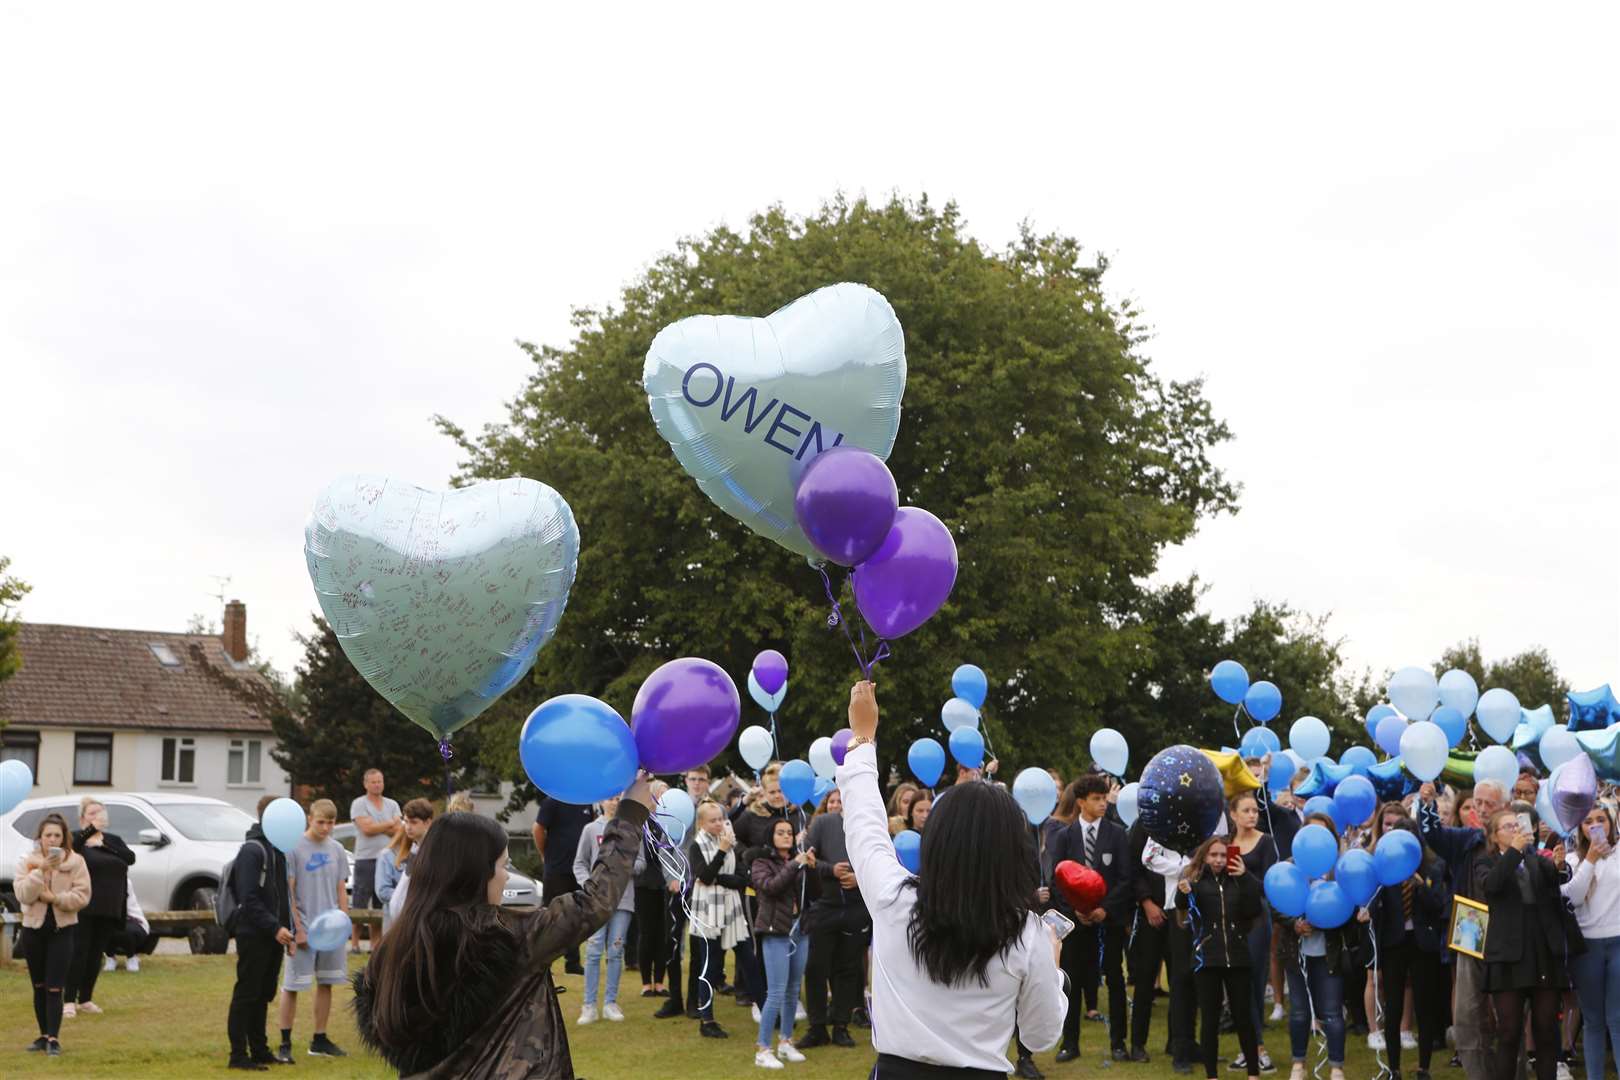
837,618
672,860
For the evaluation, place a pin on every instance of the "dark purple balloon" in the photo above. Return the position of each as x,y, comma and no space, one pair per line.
910,577
840,745
770,671
845,503
684,715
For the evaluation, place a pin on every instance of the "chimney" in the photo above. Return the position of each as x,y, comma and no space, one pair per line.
235,634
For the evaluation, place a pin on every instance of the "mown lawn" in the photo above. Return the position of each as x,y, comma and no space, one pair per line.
168,1021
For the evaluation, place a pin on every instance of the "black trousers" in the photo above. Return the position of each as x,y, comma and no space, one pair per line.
94,931
1235,983
560,883
652,932
708,958
50,957
1402,965
258,967
836,963
890,1067
1154,948
132,940
1093,954
672,967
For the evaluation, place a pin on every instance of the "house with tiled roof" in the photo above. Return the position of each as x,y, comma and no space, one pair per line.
98,710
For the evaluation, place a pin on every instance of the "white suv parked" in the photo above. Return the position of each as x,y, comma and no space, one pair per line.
180,842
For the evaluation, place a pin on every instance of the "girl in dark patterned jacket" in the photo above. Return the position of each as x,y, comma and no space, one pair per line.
461,988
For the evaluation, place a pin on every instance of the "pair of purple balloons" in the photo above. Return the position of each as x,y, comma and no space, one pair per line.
904,557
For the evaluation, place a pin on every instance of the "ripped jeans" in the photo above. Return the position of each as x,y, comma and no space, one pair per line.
610,937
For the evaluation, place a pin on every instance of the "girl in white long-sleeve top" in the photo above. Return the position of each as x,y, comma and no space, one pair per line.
958,957
1593,891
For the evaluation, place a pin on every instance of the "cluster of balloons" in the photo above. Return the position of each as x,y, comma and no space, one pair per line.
1325,887
1230,681
16,781
960,715
767,680
904,558
578,749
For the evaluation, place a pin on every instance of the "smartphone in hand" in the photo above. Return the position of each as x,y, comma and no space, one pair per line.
1061,925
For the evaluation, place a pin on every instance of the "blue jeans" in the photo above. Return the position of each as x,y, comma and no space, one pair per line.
785,956
1326,996
610,936
1596,974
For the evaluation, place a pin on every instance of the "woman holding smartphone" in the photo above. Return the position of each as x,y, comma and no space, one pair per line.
1259,851
1594,893
1220,900
52,885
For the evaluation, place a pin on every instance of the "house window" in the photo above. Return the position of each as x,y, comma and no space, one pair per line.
92,757
21,746
242,765
179,760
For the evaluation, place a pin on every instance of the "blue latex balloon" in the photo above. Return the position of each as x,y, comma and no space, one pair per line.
1558,746
927,760
1036,793
1229,681
675,813
908,847
1397,857
1286,887
1450,721
1109,751
1355,875
1309,737
329,931
1319,804
283,824
824,785
769,702
1258,742
1374,715
1423,748
1326,905
747,403
1499,713
1497,763
1263,702
1283,768
16,781
1359,758
967,747
1315,849
578,750
1388,735
1125,805
969,684
1354,801
798,782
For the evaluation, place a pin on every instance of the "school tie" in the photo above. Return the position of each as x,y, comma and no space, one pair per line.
1407,889
1091,846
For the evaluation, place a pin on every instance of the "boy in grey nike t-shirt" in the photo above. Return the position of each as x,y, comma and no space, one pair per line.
318,870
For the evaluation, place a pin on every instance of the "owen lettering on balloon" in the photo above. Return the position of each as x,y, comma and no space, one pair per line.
743,408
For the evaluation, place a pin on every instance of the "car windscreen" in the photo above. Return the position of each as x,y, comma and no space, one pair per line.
205,821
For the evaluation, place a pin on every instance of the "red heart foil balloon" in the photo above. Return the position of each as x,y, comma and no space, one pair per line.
1081,886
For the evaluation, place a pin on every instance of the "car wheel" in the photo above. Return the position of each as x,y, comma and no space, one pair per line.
210,938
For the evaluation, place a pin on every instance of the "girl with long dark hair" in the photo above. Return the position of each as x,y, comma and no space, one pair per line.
1260,853
778,878
958,956
1220,899
1593,891
53,886
1409,923
460,987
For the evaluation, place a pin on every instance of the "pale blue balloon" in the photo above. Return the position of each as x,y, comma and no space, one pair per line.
329,931
756,747
824,785
747,403
1258,742
1126,804
1109,751
969,684
1390,731
769,702
1458,691
16,781
798,781
1497,763
1533,724
1558,746
1498,713
908,849
1414,692
959,712
675,812
1423,747
821,757
441,599
283,823
1036,792
1309,737
1359,758
1376,714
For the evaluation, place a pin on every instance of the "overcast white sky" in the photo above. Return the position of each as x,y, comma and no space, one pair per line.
243,250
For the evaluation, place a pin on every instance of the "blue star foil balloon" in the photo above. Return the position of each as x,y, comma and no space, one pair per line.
1391,780
1324,779
1533,724
1593,710
747,403
1180,798
1603,747
441,599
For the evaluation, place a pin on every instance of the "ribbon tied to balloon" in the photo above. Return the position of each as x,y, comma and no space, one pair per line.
441,599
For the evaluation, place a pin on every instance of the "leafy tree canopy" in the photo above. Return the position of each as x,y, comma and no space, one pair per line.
12,590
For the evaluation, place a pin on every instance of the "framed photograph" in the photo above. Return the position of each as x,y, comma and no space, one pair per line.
1469,921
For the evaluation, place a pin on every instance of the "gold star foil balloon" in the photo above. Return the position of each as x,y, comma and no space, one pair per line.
1235,775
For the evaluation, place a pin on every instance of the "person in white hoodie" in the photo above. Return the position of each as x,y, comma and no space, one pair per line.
1593,890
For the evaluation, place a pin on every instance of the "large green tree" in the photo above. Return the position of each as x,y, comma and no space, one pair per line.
1034,426
345,727
12,590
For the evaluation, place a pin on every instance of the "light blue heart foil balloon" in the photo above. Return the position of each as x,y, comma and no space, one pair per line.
747,403
441,599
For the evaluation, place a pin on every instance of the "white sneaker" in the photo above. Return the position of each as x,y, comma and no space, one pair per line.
1563,1071
756,1014
132,964
588,1015
610,1011
788,1052
1277,1013
1408,1041
110,965
69,1011
764,1059
89,1008
800,1016
1375,1041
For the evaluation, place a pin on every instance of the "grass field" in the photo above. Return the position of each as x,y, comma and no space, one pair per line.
169,1021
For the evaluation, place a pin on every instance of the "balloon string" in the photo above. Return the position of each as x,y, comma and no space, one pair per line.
1378,997
672,860
446,753
837,618
1196,924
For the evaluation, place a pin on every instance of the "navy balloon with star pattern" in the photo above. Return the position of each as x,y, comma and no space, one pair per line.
1180,798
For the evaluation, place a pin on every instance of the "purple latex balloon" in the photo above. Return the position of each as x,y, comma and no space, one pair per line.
840,745
1574,791
684,714
770,671
845,503
910,577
